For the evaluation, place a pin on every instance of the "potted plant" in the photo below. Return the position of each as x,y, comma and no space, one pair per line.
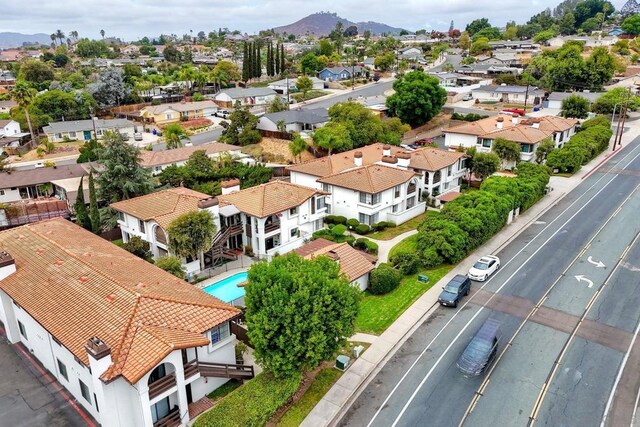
240,349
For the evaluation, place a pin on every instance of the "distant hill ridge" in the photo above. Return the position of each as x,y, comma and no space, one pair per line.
321,24
11,40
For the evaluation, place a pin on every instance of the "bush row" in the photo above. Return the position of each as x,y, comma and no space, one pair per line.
336,234
355,225
471,219
591,140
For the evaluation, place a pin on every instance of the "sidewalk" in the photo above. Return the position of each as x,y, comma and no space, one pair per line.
338,399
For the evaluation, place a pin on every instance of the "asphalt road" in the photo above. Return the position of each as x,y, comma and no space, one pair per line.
567,354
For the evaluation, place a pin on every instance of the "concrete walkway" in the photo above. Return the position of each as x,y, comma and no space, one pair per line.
341,395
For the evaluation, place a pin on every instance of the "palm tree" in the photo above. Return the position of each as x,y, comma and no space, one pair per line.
173,135
188,74
297,146
22,94
102,33
60,36
53,38
74,34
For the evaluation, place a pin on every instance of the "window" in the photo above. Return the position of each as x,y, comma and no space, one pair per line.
85,391
99,132
449,170
121,216
526,148
320,203
157,168
396,191
325,187
219,333
293,211
394,208
370,199
1,192
368,219
23,330
58,136
294,232
168,116
141,225
486,143
62,369
411,202
72,135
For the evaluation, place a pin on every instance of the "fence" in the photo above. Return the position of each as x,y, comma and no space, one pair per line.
276,134
240,332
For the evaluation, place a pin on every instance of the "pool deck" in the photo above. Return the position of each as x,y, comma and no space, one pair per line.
218,277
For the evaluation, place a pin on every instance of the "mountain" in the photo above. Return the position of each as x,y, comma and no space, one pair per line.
10,40
630,8
321,24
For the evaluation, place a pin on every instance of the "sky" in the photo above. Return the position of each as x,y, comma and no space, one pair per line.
132,19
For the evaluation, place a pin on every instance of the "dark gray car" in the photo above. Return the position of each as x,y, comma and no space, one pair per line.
454,290
481,350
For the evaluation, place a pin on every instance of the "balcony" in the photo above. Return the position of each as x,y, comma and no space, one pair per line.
158,387
273,226
411,188
190,368
171,420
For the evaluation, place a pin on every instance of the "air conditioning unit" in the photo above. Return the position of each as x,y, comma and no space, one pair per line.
342,362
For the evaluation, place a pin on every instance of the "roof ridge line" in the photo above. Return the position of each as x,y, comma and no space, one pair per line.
222,305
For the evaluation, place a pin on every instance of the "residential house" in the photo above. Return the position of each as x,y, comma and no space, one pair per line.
509,94
271,218
84,130
285,85
11,136
335,74
132,344
554,99
484,70
158,161
130,50
528,132
7,79
6,106
294,120
369,62
170,113
410,53
458,80
507,59
514,45
245,96
589,41
354,264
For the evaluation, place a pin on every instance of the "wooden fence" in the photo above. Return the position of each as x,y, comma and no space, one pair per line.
276,134
240,333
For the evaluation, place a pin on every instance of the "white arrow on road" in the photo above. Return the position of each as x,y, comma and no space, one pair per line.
582,278
598,264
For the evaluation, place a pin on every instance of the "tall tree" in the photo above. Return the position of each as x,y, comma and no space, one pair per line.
268,64
60,36
80,208
276,60
259,62
191,234
575,106
94,213
23,95
173,135
333,137
485,164
282,58
507,151
110,89
245,63
418,98
123,177
299,312
297,146
304,85
102,33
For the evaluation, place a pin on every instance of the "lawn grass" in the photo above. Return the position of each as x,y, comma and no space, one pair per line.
118,242
410,244
310,95
299,410
224,389
392,232
377,312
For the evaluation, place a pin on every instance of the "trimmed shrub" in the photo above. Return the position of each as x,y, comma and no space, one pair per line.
324,233
362,229
330,219
352,223
349,239
596,121
406,262
338,230
388,224
340,219
361,244
384,279
372,247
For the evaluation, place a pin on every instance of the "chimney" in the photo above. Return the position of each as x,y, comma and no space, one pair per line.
333,255
386,150
389,159
207,203
404,159
535,123
499,122
97,348
357,158
230,186
7,265
515,119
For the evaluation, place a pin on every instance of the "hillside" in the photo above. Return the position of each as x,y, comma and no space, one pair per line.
10,40
321,24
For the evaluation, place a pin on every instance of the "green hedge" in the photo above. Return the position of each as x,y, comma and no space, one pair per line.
384,279
592,140
252,404
470,220
406,262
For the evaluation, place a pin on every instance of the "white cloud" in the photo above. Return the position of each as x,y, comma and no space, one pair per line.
131,19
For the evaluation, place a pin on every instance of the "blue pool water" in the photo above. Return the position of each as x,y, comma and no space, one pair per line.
227,289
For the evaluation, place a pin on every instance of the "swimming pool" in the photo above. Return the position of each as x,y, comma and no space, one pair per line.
227,289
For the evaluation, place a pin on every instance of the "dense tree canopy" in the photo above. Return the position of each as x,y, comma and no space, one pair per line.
477,25
39,74
191,234
575,106
334,136
299,312
417,99
631,24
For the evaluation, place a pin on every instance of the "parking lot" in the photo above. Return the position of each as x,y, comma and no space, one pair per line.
30,396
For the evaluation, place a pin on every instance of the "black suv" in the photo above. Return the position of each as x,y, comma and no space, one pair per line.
453,291
481,350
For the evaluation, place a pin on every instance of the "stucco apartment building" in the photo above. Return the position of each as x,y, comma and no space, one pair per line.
275,217
432,172
528,132
133,344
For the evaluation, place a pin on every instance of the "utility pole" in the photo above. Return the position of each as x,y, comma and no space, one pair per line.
624,117
526,97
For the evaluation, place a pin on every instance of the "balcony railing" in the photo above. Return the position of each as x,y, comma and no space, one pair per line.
411,188
190,368
158,387
268,228
171,420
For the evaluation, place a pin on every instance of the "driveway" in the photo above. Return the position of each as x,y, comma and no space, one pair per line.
30,396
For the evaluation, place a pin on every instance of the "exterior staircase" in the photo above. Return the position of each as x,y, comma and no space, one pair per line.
218,249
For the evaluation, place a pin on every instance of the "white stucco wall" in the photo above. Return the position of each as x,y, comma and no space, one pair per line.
452,139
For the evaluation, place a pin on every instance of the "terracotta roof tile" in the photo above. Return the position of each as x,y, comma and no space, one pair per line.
99,289
433,159
353,263
150,159
521,134
163,206
369,179
270,198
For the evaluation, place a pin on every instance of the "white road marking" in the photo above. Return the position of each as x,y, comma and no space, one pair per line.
383,405
582,278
